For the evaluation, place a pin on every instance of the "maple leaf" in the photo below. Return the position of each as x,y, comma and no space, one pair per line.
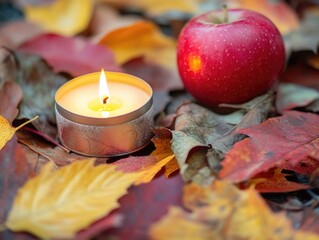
53,47
292,137
291,96
221,211
202,137
156,48
64,17
274,181
69,199
7,130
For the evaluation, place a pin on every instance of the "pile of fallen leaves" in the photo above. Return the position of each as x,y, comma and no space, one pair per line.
247,171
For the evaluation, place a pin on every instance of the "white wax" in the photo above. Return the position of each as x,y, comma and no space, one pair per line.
77,100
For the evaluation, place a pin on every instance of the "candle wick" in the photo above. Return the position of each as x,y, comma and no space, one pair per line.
105,99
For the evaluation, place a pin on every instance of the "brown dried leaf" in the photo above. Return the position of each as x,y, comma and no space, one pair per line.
39,84
306,37
10,97
202,137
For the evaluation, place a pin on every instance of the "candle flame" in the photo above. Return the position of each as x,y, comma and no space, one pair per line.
104,92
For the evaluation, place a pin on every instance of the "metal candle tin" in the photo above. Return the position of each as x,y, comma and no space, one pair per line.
109,136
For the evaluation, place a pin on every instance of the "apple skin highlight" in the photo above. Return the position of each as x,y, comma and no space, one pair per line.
230,62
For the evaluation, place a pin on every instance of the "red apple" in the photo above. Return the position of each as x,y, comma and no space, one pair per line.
229,56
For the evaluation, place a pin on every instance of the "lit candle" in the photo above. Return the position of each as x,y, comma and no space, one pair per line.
101,114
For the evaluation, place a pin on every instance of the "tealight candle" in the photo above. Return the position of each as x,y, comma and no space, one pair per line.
102,114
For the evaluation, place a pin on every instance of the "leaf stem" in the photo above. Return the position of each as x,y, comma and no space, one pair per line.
225,11
27,122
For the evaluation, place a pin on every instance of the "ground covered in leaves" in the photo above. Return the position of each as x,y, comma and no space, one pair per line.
247,171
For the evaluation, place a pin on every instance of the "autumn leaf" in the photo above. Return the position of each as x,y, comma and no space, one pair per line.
80,193
279,12
47,152
314,61
153,7
202,137
12,34
274,181
53,48
221,211
159,77
150,165
14,172
145,204
39,84
7,131
126,44
292,137
306,37
290,96
63,17
10,97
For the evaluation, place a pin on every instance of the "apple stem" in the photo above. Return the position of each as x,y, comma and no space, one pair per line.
225,10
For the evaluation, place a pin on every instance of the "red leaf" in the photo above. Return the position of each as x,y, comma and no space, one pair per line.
274,181
73,55
14,171
292,137
146,204
134,164
112,220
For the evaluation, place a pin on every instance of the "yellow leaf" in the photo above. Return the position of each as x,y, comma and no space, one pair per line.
7,131
66,17
163,149
142,38
155,7
58,203
221,211
149,173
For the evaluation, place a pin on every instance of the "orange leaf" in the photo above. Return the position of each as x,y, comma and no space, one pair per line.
221,211
152,164
274,181
142,38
